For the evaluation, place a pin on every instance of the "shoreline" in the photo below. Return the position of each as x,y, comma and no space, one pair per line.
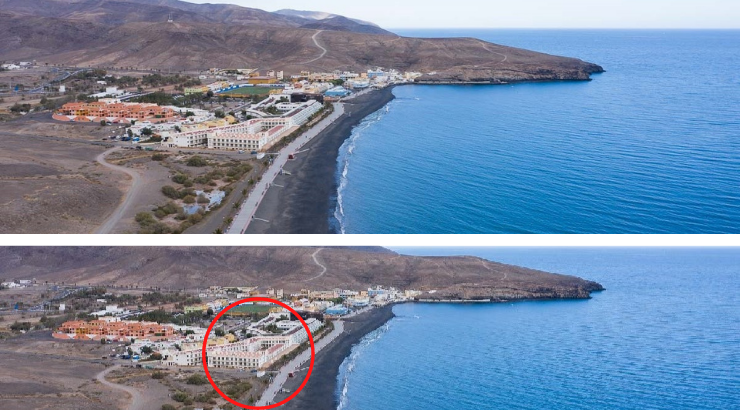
303,201
320,390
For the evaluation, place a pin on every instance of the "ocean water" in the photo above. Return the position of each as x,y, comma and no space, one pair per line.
651,146
664,335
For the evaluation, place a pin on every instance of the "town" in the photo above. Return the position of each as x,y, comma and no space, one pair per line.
248,110
190,152
161,331
172,330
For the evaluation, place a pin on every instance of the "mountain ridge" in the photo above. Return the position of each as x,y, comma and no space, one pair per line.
291,268
135,35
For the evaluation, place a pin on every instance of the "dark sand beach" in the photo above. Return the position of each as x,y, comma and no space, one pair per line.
320,391
302,202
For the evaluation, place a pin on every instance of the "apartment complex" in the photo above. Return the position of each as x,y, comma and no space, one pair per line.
252,353
113,330
113,111
253,135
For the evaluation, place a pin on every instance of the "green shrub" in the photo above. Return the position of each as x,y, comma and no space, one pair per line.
145,219
170,192
196,161
189,199
180,179
197,379
180,396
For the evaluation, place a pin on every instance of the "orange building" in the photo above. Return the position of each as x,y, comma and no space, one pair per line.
112,330
115,112
262,80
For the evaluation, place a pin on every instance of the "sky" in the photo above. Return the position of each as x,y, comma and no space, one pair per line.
522,13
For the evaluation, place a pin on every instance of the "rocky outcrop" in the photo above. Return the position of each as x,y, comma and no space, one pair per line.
576,70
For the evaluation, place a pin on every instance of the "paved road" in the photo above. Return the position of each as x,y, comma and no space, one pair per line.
250,205
137,402
268,396
128,197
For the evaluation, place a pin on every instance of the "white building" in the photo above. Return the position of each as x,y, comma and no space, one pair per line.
256,134
109,92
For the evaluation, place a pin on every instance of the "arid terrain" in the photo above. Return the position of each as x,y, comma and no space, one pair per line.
135,34
288,267
38,372
54,185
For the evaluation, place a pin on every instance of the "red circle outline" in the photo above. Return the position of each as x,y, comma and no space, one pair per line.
205,359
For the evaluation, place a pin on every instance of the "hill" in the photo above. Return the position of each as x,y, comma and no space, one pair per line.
291,268
135,34
319,15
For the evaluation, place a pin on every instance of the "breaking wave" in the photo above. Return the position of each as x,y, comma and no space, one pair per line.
348,365
343,161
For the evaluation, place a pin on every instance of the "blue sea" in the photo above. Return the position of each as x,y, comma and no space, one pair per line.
664,335
650,146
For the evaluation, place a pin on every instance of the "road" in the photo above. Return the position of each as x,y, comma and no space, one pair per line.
128,197
282,376
137,402
316,261
250,205
323,50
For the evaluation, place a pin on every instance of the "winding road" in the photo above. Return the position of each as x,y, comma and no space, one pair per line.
323,50
316,261
137,402
128,197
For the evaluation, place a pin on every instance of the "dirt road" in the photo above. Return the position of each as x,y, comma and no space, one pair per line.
137,402
128,197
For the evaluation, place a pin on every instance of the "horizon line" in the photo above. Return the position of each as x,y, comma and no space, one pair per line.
569,28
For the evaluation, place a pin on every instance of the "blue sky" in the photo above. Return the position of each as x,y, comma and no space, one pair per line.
522,13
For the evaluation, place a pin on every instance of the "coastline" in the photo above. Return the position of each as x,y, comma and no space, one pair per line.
320,391
303,201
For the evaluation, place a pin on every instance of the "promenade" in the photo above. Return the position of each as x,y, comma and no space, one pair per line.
254,198
268,396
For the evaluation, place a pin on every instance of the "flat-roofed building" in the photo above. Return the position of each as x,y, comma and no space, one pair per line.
113,111
112,330
256,134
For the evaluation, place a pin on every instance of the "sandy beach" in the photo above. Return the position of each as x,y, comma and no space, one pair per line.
320,391
302,202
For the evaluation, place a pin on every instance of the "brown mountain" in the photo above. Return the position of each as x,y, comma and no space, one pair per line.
135,34
291,268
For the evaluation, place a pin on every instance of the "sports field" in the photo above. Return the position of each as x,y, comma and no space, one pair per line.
247,309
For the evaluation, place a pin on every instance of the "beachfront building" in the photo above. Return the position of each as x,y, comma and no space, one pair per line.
337,92
253,353
112,329
113,111
253,135
250,354
249,136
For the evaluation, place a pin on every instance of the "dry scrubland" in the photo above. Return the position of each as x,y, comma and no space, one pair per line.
54,186
39,372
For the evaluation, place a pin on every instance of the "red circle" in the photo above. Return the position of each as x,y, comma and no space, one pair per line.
205,359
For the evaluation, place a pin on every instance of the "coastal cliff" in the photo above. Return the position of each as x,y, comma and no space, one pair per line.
576,71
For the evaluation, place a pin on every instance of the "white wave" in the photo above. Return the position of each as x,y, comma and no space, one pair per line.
348,365
351,144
